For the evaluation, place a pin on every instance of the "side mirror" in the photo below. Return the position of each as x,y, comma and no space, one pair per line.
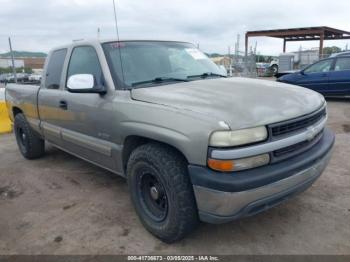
302,72
83,83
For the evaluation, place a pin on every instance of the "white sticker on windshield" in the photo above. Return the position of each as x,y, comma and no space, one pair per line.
195,53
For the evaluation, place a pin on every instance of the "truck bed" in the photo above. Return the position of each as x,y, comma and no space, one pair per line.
22,98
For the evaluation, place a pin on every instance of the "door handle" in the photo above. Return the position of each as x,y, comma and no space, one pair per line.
63,105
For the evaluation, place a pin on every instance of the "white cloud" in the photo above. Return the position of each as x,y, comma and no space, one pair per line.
39,25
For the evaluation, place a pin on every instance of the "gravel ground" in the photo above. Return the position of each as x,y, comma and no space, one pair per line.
62,205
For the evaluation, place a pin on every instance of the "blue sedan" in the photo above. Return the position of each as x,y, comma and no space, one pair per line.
330,77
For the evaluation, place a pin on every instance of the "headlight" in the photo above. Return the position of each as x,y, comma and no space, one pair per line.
238,137
238,164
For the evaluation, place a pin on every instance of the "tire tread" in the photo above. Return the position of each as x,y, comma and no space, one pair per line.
171,163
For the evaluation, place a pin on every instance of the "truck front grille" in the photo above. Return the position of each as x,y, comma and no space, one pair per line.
295,149
297,124
291,127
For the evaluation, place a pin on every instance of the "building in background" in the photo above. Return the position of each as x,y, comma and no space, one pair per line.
24,60
221,60
34,63
7,62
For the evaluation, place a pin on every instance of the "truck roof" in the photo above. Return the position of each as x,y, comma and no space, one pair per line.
102,41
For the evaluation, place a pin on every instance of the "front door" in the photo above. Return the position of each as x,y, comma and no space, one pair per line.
89,132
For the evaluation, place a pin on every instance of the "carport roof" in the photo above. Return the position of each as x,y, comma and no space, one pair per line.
320,33
303,33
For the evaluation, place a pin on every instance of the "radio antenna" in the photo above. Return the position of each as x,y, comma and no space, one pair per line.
117,31
115,19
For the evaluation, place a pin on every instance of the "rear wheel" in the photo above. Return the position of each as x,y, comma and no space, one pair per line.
29,143
161,191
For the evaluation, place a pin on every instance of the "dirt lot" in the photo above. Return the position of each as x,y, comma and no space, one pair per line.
62,205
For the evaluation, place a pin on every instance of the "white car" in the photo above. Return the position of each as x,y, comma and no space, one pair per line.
34,78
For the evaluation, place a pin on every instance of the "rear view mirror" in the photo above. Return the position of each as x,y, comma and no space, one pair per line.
83,83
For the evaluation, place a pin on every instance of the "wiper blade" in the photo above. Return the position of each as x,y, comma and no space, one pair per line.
205,75
160,80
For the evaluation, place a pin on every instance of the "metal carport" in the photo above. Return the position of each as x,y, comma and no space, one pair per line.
320,33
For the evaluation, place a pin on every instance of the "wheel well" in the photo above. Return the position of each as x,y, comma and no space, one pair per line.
16,111
132,142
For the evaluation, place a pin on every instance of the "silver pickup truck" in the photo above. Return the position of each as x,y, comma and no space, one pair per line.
193,144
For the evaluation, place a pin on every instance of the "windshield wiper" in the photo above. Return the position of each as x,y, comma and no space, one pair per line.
160,80
205,75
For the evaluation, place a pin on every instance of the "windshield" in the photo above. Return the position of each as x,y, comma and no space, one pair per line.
146,63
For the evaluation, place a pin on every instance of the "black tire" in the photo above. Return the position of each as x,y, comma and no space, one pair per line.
274,69
29,143
172,213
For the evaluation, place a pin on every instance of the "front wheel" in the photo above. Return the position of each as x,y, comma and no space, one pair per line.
161,191
29,143
274,69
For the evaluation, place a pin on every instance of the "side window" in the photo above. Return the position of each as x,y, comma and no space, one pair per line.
84,60
54,69
342,64
322,66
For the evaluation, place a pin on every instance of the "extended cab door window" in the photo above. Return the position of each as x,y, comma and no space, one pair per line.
54,69
84,60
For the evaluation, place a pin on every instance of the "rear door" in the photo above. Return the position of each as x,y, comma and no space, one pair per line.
316,76
49,107
339,78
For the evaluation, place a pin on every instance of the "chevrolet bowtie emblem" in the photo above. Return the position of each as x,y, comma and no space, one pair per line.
311,132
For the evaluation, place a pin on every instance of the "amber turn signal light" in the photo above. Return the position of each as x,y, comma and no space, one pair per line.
221,165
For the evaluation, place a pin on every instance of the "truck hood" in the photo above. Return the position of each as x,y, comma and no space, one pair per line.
240,102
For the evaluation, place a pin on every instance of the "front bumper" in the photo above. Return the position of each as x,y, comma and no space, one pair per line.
223,197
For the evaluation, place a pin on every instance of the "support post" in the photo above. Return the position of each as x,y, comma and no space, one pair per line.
284,45
321,45
246,44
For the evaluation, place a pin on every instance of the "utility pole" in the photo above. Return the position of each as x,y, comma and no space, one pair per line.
230,62
13,61
256,43
98,33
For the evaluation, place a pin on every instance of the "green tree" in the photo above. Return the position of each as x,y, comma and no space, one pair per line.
18,70
331,50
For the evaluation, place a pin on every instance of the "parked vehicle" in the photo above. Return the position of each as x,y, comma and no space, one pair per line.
34,78
192,144
3,78
345,53
274,66
330,77
21,77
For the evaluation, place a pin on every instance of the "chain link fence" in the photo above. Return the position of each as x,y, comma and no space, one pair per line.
240,65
